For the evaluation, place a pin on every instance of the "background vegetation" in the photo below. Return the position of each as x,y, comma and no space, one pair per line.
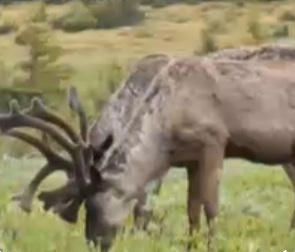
45,46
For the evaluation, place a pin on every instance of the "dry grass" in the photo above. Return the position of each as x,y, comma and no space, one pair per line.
174,30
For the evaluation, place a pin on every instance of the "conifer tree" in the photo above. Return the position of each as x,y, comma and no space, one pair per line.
38,12
41,70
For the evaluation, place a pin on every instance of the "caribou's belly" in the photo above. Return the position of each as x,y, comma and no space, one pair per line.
267,142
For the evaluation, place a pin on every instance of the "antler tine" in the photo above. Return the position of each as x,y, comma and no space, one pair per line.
83,156
80,167
79,151
52,157
76,105
16,118
76,150
25,198
54,163
64,201
39,110
14,107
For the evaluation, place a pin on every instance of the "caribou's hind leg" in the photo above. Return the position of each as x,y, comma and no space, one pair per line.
211,163
290,171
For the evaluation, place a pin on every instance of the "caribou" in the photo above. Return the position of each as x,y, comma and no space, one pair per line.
201,110
149,139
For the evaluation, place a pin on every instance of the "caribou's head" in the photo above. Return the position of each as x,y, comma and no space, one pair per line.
105,203
106,209
84,183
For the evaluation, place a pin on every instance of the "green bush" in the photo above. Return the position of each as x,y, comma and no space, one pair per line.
156,3
101,14
41,70
110,76
77,19
7,26
279,31
38,12
287,15
256,28
208,42
163,3
112,13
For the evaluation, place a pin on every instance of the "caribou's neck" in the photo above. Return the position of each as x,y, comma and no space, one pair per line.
142,158
141,154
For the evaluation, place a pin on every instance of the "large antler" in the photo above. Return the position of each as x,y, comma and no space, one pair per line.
76,106
54,163
39,117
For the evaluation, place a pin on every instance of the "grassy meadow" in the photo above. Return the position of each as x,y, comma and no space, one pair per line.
256,202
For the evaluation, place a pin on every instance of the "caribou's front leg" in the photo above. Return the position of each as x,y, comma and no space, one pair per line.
210,171
142,210
141,214
193,201
290,171
158,186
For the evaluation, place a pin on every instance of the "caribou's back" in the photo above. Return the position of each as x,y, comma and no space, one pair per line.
251,106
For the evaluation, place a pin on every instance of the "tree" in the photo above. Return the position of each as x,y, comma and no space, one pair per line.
40,71
38,13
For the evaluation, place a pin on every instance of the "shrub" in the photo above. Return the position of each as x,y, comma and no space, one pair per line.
255,27
7,26
216,24
163,3
101,14
4,75
287,15
77,19
279,31
112,13
38,13
41,70
158,3
110,76
208,42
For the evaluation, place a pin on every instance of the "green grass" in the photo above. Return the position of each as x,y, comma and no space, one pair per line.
256,203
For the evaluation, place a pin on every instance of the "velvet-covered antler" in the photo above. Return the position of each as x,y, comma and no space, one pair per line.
66,200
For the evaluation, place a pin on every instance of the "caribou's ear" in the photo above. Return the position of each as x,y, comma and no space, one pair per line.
96,178
108,142
99,151
64,201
